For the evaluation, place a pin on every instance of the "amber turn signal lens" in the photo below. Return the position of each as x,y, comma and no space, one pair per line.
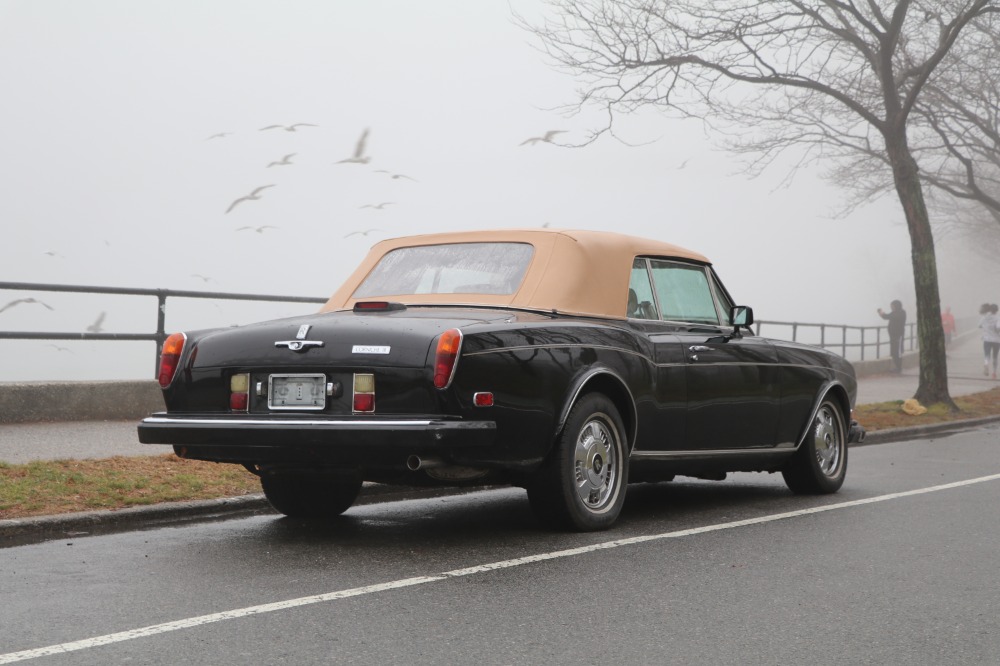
170,357
448,347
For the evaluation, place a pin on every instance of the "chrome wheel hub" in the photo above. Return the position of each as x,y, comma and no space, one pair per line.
596,465
828,438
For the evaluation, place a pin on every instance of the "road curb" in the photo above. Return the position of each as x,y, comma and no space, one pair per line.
24,531
924,431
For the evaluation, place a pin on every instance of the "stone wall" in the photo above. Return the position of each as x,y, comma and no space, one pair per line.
25,402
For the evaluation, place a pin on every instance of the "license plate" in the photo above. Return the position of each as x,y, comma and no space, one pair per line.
296,392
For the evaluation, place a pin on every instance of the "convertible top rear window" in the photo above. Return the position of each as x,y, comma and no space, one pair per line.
454,268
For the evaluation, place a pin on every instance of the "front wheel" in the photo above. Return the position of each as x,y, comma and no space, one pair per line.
581,486
820,464
311,495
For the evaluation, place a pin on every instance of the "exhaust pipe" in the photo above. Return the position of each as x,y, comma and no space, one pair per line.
414,463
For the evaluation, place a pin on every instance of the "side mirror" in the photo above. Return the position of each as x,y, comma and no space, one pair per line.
740,316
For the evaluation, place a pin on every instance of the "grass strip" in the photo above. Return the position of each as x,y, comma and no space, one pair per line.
61,486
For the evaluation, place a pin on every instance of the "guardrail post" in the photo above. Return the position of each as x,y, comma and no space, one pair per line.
862,343
161,333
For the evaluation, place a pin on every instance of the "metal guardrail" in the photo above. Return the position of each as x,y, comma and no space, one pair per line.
161,296
839,338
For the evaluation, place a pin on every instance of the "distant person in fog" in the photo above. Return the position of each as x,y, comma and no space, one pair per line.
990,327
948,325
896,316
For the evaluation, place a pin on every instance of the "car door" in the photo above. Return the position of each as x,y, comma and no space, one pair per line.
731,380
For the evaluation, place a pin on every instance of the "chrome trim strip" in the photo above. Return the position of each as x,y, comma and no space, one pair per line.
559,346
295,422
670,455
518,348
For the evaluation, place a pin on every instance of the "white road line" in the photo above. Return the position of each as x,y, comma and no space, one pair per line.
188,623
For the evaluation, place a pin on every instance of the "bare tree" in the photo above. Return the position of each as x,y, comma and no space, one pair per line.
960,112
834,79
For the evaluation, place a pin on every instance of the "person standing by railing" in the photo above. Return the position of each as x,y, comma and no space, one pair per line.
991,337
897,327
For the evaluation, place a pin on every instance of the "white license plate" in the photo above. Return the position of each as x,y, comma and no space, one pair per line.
296,391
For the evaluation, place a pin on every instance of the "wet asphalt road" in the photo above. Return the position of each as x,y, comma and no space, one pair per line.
874,578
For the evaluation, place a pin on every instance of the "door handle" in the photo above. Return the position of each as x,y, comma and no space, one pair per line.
699,348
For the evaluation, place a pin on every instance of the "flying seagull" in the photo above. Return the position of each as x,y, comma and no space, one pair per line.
288,128
253,196
359,156
96,326
547,138
259,229
287,159
58,348
218,135
378,206
52,253
18,301
395,176
361,233
203,278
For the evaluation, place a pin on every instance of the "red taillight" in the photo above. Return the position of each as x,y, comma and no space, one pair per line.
448,347
173,347
364,402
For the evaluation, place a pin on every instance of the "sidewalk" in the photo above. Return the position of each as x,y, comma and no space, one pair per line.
25,442
965,375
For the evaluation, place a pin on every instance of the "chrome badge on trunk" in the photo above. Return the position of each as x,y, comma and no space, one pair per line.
299,344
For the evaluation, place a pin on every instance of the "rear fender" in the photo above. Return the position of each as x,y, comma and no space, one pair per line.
608,383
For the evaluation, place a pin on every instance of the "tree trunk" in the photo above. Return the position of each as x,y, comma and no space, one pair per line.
933,386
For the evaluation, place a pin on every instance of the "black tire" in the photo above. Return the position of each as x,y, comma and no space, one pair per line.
820,464
581,486
311,495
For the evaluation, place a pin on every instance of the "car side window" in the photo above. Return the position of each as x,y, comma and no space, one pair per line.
683,292
641,304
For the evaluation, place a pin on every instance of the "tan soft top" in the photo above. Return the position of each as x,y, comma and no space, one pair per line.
571,271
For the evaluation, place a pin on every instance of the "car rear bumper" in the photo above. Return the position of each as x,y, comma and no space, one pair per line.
356,441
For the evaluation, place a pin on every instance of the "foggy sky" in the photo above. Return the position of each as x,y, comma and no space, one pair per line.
110,177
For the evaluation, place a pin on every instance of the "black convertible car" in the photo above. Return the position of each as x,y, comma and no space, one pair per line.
569,363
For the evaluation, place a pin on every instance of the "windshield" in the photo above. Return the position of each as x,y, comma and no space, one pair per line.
455,268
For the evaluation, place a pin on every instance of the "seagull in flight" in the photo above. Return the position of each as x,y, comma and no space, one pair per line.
52,253
259,229
378,206
547,138
203,278
395,176
61,349
287,159
364,232
288,128
218,135
18,301
359,156
253,196
96,326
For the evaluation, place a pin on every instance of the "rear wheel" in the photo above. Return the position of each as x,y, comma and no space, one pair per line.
581,485
311,495
820,464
